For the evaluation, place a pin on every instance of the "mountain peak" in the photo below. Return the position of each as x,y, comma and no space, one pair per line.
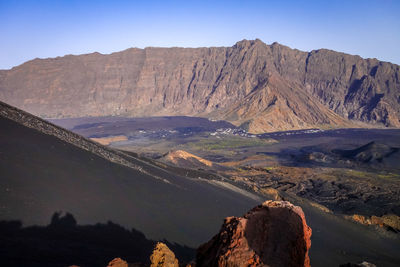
247,43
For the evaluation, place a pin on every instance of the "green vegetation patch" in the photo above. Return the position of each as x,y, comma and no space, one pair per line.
359,174
388,176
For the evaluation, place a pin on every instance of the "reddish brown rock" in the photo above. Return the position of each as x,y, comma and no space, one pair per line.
389,220
272,234
117,262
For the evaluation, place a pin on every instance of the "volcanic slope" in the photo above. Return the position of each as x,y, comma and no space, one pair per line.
45,168
261,87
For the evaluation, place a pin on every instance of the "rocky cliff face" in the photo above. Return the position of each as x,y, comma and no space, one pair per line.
272,234
263,87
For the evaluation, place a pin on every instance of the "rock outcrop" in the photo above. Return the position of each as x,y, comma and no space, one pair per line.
389,221
272,234
187,160
261,87
163,257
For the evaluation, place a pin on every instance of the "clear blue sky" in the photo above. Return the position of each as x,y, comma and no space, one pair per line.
30,29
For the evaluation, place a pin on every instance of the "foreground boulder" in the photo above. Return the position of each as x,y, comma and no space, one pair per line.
272,234
163,257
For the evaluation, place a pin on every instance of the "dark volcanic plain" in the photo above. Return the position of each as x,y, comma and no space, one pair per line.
337,176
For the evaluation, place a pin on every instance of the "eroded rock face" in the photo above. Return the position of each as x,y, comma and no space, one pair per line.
163,257
272,234
263,87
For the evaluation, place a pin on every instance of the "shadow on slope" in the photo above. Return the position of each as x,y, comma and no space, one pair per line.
63,242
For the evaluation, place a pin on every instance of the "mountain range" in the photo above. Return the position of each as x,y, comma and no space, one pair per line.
257,86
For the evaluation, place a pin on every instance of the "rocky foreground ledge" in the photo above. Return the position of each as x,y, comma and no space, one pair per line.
274,233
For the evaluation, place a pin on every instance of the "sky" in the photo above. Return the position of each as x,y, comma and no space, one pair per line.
41,29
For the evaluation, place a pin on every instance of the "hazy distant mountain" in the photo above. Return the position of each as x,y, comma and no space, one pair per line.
45,169
263,87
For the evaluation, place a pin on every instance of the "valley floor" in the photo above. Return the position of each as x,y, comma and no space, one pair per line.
346,180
